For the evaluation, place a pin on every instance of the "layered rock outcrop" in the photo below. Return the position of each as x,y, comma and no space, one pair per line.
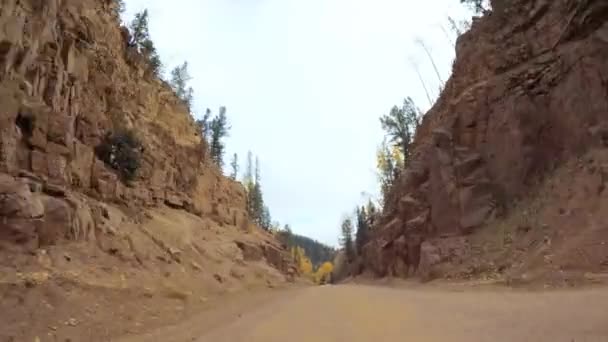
527,95
68,222
68,79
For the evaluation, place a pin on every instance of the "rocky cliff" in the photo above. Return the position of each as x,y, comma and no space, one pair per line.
510,166
80,247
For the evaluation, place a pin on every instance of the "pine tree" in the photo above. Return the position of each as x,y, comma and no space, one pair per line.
204,125
275,227
120,7
179,82
139,30
257,197
347,239
387,169
258,212
362,235
371,212
140,39
149,52
235,166
266,219
248,177
219,129
258,177
401,124
249,184
288,234
477,5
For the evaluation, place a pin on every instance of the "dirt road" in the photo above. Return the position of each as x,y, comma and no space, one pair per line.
353,313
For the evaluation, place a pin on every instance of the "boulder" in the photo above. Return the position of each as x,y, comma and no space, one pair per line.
21,213
17,200
251,252
57,223
440,250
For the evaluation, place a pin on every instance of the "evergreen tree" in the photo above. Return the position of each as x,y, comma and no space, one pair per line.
266,219
120,7
204,125
149,52
257,204
388,169
258,177
218,129
156,66
140,33
257,197
179,82
477,5
256,208
287,229
249,184
275,227
401,124
347,239
140,39
362,235
248,177
371,213
288,233
235,166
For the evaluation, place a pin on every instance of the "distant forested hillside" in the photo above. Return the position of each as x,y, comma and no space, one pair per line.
316,251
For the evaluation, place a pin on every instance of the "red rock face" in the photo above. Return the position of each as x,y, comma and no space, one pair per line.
526,95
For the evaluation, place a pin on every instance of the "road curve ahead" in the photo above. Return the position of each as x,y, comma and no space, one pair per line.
351,313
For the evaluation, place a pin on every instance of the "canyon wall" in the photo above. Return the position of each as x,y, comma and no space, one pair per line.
510,164
74,236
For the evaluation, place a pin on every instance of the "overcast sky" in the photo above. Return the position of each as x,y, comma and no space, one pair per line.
304,83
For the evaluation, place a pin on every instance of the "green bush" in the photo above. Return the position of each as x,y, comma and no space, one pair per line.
121,150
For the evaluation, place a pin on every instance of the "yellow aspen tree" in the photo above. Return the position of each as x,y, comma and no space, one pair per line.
323,272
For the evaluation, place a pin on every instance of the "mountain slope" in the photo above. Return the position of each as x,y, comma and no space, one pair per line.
509,169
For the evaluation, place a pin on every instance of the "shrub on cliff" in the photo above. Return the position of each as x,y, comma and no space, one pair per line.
121,150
